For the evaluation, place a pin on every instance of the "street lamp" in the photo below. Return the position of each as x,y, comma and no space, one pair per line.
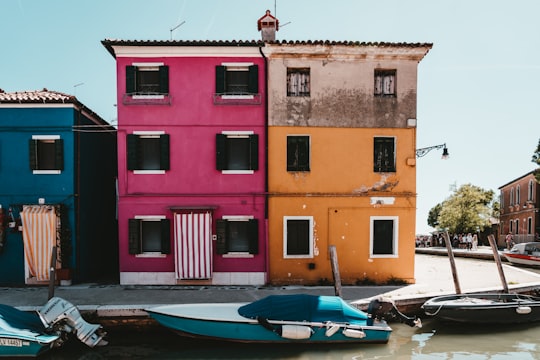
423,151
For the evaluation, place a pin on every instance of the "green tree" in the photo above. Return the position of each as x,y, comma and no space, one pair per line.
433,216
467,210
536,160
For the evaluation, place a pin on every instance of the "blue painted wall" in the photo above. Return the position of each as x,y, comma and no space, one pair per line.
86,187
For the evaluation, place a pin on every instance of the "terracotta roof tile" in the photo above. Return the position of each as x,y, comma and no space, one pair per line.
38,96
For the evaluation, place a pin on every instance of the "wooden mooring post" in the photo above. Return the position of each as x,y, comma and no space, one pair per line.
335,271
497,258
452,261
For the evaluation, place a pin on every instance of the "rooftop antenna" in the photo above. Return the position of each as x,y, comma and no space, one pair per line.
75,87
176,27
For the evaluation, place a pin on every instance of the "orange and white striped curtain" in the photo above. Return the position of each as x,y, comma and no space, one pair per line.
39,237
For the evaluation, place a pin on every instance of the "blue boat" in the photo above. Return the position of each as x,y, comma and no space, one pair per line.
297,318
30,334
23,334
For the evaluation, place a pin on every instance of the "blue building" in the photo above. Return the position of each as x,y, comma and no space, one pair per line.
58,172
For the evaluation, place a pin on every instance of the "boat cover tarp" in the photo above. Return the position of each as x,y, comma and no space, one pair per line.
13,320
303,307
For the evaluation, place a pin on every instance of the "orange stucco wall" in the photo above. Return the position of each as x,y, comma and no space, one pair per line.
339,192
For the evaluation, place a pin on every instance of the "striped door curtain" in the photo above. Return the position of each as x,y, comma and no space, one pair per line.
39,237
193,245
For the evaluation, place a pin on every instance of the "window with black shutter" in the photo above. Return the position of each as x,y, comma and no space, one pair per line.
237,236
148,152
384,154
46,153
147,80
237,152
298,153
149,235
237,79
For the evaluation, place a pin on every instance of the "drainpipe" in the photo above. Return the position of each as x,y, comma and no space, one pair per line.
266,161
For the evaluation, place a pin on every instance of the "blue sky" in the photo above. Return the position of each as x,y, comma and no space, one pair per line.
478,88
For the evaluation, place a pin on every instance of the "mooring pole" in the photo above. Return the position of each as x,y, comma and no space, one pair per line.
497,258
452,262
335,270
52,273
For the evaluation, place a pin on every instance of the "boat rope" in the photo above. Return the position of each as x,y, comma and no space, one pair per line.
436,312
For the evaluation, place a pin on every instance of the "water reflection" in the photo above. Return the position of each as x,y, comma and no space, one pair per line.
434,340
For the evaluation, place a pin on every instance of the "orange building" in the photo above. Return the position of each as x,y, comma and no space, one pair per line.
341,160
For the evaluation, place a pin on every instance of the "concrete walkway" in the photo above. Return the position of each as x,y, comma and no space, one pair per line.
116,303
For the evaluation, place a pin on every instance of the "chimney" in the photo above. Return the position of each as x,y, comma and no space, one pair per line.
268,25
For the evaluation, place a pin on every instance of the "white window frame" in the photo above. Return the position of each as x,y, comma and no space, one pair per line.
395,239
237,66
238,254
311,230
153,254
238,135
150,66
47,172
149,135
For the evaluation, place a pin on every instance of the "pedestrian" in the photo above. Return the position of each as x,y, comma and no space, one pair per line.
475,242
509,241
468,240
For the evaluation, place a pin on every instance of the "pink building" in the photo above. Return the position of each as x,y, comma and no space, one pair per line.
191,162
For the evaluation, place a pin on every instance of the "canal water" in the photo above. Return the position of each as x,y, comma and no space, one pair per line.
435,340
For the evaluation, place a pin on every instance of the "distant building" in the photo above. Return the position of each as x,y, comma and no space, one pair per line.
519,209
57,180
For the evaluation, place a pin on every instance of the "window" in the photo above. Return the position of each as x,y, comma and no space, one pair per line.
511,226
237,152
384,230
385,83
298,82
517,226
237,234
529,226
237,79
149,235
518,195
511,196
298,237
46,154
147,79
297,153
148,152
530,195
383,155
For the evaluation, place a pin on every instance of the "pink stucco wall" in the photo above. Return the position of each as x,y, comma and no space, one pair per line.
192,120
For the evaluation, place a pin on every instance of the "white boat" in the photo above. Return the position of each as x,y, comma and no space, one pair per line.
295,318
527,254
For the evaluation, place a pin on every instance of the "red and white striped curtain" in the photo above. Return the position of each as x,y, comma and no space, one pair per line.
39,237
193,245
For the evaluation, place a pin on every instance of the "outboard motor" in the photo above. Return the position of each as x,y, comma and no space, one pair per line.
382,308
60,315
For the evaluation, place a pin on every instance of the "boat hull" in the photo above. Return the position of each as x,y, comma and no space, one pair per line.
14,346
525,254
222,322
484,308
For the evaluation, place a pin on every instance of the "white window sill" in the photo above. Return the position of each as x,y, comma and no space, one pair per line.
238,255
47,172
237,172
151,255
149,172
